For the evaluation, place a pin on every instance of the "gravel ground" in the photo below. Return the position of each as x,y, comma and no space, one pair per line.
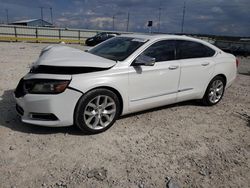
194,145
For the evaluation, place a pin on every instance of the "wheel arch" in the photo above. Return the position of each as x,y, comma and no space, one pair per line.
205,99
223,76
118,94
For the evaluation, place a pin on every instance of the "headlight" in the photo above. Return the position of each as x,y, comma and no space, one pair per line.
45,86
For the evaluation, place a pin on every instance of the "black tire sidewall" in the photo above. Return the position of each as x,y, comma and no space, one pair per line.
84,100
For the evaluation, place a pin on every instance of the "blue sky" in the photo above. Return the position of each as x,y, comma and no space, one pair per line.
221,17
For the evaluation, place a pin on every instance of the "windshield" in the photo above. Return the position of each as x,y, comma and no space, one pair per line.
117,48
99,35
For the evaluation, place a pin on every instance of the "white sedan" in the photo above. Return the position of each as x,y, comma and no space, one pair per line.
122,75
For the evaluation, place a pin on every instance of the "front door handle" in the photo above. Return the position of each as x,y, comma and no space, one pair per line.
173,67
205,64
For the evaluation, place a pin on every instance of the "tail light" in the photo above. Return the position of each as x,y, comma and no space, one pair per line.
237,63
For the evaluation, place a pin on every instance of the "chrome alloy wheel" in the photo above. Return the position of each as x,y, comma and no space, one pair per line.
216,91
99,112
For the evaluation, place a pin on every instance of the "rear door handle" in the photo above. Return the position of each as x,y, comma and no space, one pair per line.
205,64
173,67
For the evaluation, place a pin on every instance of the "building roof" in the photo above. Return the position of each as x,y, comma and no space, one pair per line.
29,20
25,21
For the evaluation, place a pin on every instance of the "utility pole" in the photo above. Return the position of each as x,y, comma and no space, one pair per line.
51,15
113,22
183,17
42,14
159,20
128,22
7,16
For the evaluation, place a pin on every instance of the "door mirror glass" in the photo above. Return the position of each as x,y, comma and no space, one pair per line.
144,60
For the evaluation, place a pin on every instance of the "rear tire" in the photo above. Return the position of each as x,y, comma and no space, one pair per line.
97,111
215,91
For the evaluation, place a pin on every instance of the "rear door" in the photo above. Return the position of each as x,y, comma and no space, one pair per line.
197,67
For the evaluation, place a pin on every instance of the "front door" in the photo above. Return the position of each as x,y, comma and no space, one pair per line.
153,86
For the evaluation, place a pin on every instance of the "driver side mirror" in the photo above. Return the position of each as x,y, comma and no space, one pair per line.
144,60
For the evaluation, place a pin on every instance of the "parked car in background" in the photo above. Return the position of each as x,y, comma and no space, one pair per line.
100,37
241,47
125,74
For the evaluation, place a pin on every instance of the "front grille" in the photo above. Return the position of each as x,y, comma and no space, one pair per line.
20,91
19,110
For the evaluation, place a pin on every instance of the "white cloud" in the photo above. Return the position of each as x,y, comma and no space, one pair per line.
205,17
217,10
89,12
101,22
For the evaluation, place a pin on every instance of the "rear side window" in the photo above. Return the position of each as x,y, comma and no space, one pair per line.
190,49
161,51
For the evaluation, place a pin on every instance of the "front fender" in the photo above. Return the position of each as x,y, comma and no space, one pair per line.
118,82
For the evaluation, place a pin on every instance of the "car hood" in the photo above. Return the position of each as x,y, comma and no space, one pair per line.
64,56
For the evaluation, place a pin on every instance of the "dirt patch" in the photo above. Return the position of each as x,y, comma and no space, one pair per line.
196,146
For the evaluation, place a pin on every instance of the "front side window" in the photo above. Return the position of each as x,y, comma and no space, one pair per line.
161,51
117,48
190,49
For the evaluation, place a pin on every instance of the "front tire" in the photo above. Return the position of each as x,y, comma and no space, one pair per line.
215,91
97,111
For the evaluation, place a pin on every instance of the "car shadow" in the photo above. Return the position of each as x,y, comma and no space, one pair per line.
10,119
186,103
245,74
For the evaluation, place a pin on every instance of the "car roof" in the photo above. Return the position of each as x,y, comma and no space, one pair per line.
107,32
157,36
154,37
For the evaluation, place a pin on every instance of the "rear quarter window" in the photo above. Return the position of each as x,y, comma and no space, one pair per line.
190,49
